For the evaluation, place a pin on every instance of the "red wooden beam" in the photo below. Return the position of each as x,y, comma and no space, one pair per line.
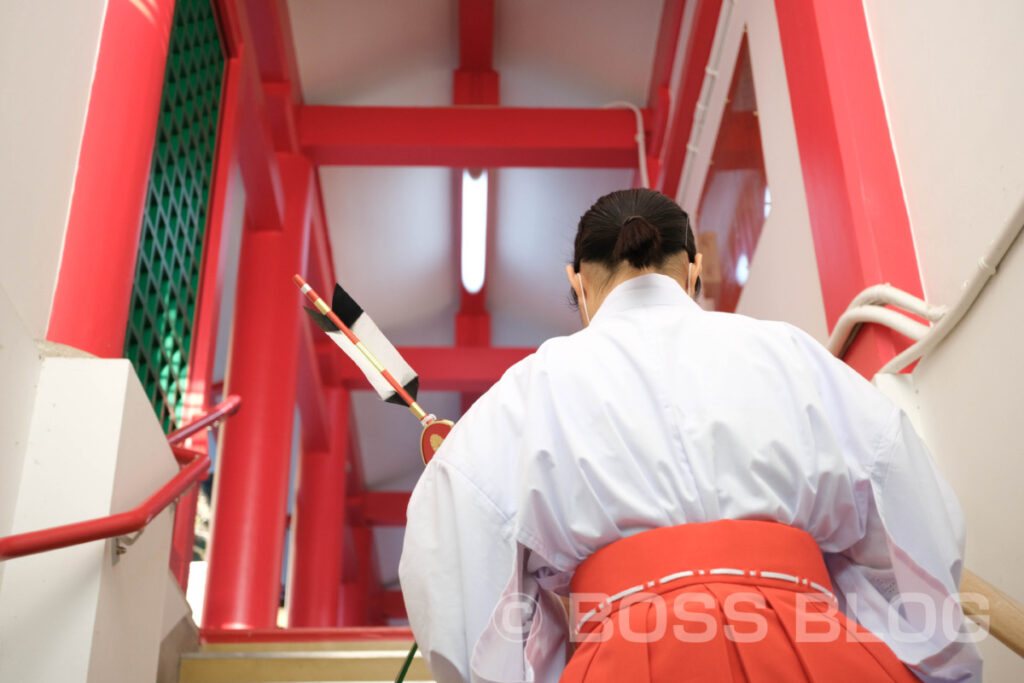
739,147
311,394
658,97
475,83
476,34
380,508
698,50
355,481
255,149
317,556
243,580
355,599
477,137
321,258
270,30
445,368
390,605
264,190
101,244
859,219
229,25
281,115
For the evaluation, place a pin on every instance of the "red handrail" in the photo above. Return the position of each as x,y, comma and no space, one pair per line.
228,406
195,470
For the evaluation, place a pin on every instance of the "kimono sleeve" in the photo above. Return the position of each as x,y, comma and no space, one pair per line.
901,579
476,612
456,560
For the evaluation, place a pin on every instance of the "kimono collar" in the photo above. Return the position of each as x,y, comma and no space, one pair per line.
646,290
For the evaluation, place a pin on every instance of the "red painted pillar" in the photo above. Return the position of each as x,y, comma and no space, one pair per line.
476,83
90,305
251,485
320,524
355,593
202,356
859,219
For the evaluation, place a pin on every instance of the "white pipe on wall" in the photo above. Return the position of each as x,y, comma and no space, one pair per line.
887,294
857,315
869,307
641,140
707,87
987,266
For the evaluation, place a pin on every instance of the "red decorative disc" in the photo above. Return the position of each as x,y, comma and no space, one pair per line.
433,436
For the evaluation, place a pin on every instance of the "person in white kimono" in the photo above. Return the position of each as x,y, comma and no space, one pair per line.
640,436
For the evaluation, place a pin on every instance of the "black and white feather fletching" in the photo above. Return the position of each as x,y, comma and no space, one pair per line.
353,317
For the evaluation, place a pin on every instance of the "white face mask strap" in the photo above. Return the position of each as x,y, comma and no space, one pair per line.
583,299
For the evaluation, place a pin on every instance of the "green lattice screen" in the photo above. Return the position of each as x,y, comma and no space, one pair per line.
170,248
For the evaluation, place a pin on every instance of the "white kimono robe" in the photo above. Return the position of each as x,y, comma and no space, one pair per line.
658,414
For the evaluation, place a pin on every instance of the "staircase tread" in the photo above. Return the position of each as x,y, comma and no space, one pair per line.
283,646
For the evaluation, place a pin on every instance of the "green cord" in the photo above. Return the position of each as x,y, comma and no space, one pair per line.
408,663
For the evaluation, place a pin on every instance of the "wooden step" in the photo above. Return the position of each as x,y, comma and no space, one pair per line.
320,662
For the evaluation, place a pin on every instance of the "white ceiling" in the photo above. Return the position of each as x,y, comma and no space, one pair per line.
549,53
567,53
392,228
376,52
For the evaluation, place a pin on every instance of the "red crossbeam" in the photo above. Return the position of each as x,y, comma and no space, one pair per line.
444,368
380,508
468,136
390,605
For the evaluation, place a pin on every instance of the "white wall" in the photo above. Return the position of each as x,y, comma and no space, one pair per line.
47,60
94,448
19,367
950,74
783,282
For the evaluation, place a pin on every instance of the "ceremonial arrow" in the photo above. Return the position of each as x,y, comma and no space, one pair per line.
340,321
332,320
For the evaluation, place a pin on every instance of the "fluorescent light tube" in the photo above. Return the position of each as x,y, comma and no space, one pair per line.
474,230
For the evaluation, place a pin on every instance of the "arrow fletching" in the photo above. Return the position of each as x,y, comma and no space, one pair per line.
358,336
363,327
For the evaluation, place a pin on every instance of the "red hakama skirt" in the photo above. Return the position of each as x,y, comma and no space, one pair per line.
719,601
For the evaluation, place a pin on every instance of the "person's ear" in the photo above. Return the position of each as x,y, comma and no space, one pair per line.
574,282
696,268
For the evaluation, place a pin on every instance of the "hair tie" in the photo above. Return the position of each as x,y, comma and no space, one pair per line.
630,218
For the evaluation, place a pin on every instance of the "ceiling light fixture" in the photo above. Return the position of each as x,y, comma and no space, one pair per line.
474,229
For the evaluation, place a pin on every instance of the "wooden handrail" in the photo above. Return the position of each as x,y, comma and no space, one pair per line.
195,469
1004,617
